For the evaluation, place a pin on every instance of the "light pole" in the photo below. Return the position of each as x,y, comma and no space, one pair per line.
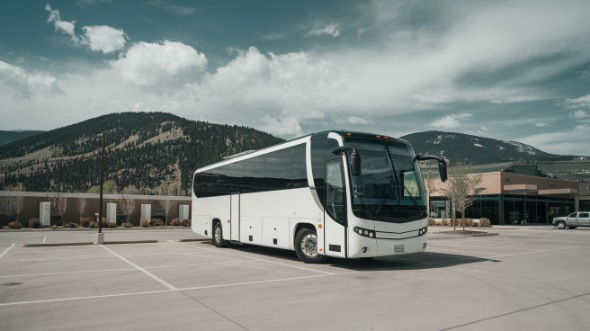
100,235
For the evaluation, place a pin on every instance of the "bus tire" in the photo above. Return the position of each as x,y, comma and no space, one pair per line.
306,246
218,236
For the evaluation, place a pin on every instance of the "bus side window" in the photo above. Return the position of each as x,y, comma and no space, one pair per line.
335,197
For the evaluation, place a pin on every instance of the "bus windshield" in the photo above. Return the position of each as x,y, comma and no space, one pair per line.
390,187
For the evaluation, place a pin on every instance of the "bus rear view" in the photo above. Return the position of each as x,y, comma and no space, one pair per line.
333,193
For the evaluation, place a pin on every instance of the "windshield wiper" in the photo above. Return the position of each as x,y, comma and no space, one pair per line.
377,209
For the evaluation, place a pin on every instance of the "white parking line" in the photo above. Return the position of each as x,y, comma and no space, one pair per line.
157,292
151,275
44,239
6,250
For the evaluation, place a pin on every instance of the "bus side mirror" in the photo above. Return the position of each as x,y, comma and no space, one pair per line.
355,158
442,164
442,170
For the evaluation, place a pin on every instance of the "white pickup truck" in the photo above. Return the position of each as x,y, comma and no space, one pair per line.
573,220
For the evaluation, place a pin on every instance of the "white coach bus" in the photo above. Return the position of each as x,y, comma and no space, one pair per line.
333,193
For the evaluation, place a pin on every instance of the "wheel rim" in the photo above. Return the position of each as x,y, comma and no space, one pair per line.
309,245
218,234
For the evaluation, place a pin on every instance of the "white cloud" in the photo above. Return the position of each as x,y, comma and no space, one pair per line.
99,38
16,82
104,38
330,30
63,26
165,63
358,120
579,114
568,142
581,102
450,121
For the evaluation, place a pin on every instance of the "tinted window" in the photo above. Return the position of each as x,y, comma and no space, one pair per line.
278,170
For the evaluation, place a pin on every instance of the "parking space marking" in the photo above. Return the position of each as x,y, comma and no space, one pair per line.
82,298
67,273
151,275
267,261
7,250
173,289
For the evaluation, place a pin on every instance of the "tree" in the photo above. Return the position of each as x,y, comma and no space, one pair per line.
16,200
59,203
126,203
81,206
461,190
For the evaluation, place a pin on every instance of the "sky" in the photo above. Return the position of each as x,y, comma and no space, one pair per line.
509,70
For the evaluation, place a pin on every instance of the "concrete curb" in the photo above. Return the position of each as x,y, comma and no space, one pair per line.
91,243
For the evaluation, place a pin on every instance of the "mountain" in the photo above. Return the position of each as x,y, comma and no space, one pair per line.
458,147
151,151
10,136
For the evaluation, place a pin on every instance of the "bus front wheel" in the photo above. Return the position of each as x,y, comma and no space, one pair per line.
306,246
218,236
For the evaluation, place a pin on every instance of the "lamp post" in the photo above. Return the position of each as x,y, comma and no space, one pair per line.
100,234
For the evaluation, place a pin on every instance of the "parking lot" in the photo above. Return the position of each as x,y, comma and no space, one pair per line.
524,278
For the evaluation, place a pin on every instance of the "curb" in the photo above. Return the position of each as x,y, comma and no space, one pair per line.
92,243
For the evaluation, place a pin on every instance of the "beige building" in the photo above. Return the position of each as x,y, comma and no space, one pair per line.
509,198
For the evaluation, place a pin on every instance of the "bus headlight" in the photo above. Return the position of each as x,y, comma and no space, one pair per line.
364,232
422,231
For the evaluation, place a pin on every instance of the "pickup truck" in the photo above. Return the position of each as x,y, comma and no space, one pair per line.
573,220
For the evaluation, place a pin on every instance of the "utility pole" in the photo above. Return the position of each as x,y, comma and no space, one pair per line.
100,235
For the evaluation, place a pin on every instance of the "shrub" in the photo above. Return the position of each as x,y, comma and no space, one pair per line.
469,222
34,223
71,225
156,222
85,221
14,225
431,222
444,222
186,222
485,222
111,225
176,222
93,225
127,225
144,223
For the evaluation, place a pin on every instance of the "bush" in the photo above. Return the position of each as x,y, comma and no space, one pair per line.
431,222
156,222
176,222
444,222
186,222
14,225
85,222
144,223
127,225
469,222
71,225
111,225
34,223
485,222
93,225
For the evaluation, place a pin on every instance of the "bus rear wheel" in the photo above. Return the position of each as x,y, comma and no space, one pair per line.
218,236
306,246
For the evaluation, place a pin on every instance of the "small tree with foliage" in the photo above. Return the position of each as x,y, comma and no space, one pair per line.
126,203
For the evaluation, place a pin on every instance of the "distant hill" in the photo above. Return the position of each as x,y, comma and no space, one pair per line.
458,147
146,150
157,153
10,136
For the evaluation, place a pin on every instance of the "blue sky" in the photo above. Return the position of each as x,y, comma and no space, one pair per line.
510,70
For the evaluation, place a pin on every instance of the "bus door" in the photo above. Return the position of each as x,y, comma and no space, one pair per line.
235,216
335,211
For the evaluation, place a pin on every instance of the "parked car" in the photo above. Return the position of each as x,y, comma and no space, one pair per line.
573,220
